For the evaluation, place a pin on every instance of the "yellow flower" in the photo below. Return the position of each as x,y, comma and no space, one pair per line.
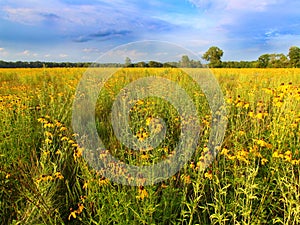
42,120
229,100
50,125
264,161
85,185
58,175
63,129
58,152
224,151
251,114
187,179
288,156
275,154
48,134
259,116
64,138
145,156
77,211
208,175
48,141
103,181
142,193
77,153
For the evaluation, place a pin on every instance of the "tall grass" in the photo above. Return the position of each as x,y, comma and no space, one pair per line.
254,179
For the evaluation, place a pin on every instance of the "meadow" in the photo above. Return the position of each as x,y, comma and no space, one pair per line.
254,179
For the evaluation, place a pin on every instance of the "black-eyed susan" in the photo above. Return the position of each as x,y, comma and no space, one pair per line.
208,175
77,211
142,193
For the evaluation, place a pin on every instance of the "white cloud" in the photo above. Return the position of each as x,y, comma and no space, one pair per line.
253,5
25,52
63,55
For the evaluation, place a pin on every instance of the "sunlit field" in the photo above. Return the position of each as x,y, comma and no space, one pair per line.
44,178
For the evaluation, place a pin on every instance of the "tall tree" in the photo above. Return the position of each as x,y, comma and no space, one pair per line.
213,55
127,62
185,61
294,55
263,60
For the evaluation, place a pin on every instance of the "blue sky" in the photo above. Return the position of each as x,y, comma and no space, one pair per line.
82,30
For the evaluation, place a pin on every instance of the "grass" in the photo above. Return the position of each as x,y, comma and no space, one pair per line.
44,179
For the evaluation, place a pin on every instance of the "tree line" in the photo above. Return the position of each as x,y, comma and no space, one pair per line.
212,56
292,60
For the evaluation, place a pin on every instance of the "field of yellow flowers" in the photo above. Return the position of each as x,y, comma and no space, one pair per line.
254,179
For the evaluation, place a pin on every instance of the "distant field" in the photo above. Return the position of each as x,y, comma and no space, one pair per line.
254,179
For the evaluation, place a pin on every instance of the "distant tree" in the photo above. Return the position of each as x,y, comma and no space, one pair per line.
141,64
214,55
185,61
155,64
263,60
195,64
278,61
294,55
127,62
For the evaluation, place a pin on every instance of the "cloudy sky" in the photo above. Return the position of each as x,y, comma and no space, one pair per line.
82,30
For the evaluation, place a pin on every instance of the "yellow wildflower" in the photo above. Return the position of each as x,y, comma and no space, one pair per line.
77,211
58,175
208,175
142,193
264,161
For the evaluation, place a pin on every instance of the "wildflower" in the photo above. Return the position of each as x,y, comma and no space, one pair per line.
77,211
85,185
48,134
208,175
62,129
251,114
241,133
58,124
48,141
64,138
163,185
264,161
295,162
148,120
224,151
192,165
145,156
259,116
49,125
229,100
288,156
42,120
275,154
58,175
103,181
142,193
77,153
187,179
58,152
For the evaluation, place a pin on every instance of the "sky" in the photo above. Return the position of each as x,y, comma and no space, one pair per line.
83,30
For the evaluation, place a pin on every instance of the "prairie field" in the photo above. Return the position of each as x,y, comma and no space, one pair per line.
254,178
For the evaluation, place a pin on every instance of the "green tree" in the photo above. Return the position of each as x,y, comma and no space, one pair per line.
263,60
278,61
213,55
185,61
127,62
294,55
